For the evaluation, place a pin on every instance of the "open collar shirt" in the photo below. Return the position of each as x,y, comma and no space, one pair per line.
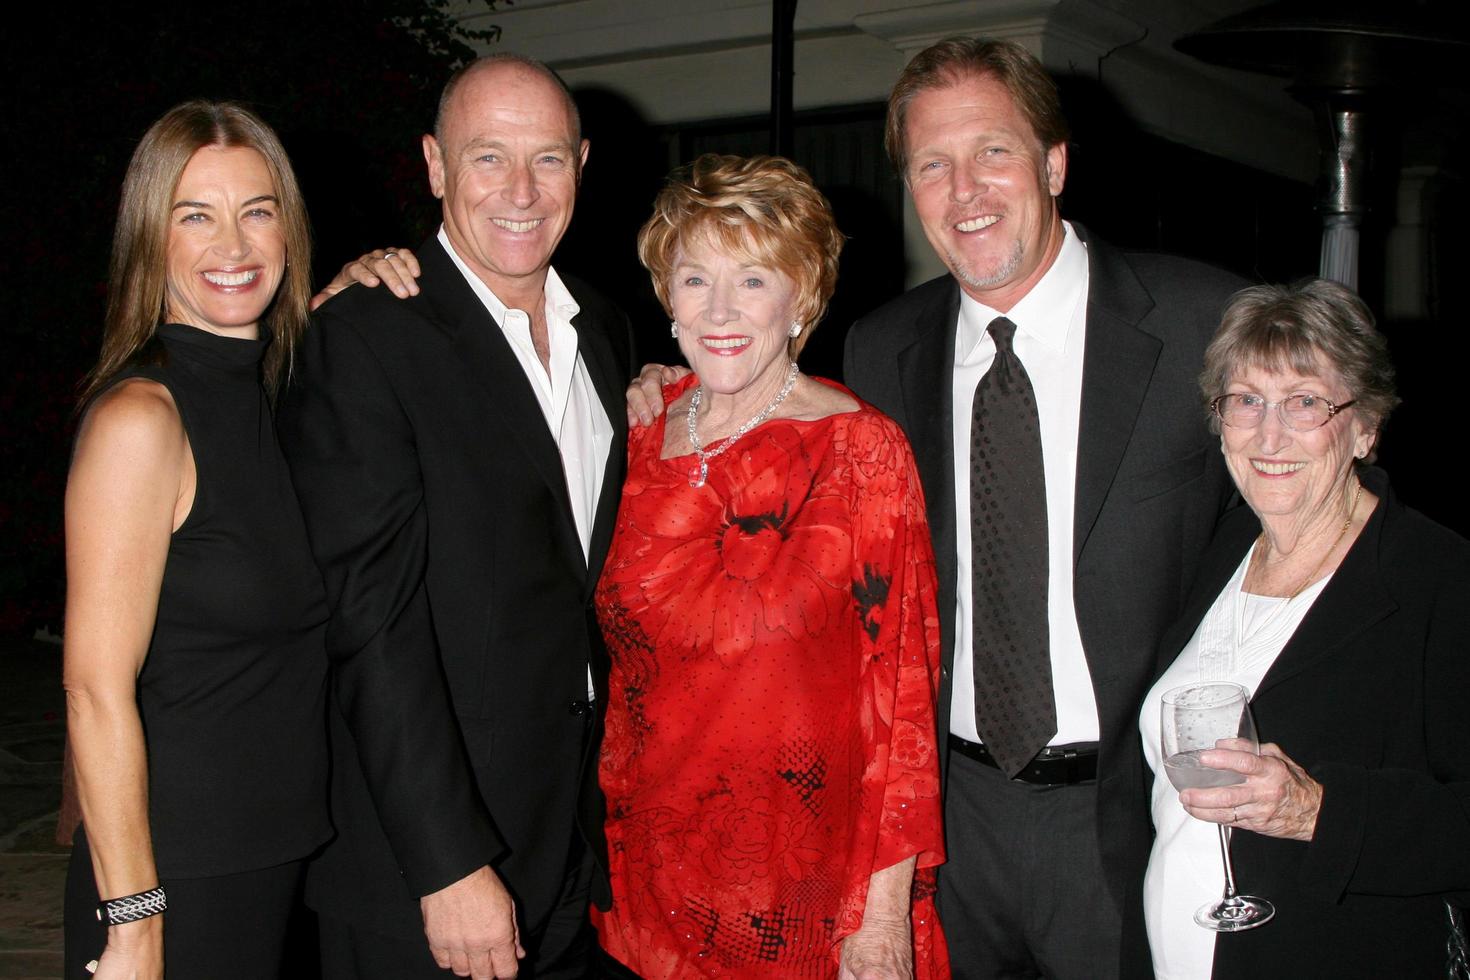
568,400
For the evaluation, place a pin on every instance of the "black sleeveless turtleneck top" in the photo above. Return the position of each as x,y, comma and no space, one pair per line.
232,694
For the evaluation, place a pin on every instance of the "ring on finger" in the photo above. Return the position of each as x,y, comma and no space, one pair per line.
1235,814
390,255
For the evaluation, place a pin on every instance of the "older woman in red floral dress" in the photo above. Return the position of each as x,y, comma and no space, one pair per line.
769,602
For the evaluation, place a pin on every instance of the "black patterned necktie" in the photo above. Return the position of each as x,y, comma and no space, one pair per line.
1015,710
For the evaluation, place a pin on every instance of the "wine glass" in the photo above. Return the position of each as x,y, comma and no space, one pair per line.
1198,717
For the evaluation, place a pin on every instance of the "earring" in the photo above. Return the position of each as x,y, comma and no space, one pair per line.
674,329
795,330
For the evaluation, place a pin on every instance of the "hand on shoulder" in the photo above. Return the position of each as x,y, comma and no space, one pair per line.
645,392
396,268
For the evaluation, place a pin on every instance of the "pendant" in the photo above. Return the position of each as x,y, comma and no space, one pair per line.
698,474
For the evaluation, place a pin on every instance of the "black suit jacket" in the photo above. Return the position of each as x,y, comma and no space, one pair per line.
461,627
1150,479
1370,696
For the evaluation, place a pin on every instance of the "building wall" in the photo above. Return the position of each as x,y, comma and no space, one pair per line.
679,62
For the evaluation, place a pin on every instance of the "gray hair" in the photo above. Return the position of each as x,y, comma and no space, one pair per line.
1313,326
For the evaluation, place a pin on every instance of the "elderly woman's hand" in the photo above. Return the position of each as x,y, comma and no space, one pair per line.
883,946
1277,799
645,392
882,949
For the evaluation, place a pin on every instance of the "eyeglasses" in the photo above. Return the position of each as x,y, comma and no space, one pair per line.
1300,413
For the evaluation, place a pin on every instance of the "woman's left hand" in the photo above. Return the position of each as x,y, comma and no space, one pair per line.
882,949
396,268
1277,799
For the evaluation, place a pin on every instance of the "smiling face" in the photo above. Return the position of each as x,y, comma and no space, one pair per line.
226,248
734,320
984,188
507,174
1287,474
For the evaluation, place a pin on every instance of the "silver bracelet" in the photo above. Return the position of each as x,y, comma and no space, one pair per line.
131,908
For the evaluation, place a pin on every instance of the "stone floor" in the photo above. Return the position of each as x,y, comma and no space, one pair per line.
32,864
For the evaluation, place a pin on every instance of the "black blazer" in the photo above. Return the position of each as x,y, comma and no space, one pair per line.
461,625
1150,479
1370,696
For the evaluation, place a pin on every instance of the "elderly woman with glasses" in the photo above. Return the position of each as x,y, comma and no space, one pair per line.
1347,617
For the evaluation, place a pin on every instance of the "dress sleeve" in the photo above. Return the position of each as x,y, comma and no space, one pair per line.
1400,831
355,468
894,586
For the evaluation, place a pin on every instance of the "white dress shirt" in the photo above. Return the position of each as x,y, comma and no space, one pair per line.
1051,330
1238,640
568,400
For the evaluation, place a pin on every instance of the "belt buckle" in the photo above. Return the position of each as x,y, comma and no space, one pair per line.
1069,765
1058,766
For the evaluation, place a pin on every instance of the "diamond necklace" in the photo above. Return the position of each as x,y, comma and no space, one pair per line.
700,472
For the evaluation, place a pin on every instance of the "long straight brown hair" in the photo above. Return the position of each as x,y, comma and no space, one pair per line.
138,274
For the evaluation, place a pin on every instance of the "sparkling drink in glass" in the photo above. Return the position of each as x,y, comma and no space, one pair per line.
1196,718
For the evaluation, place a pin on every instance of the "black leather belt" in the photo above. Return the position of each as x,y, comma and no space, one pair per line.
1055,765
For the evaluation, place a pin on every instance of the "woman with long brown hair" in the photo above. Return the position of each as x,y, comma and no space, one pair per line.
194,665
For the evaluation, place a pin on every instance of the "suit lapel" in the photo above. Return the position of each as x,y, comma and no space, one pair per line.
1117,365
926,370
608,378
492,367
1353,601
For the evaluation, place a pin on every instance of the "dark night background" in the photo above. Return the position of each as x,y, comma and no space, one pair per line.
351,85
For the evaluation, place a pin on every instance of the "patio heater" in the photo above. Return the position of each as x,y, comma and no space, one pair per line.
1348,60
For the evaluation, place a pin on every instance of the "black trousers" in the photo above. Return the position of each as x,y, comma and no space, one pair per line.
231,927
1023,893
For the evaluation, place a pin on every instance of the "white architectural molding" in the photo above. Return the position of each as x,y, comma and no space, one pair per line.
913,27
680,60
1406,283
830,70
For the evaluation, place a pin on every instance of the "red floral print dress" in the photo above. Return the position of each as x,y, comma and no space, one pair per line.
770,726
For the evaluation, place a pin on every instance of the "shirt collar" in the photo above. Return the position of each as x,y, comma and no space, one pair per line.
560,306
1044,314
559,298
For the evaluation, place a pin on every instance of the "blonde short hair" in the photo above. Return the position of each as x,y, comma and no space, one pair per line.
763,209
139,270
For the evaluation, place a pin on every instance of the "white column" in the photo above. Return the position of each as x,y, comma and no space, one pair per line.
1406,258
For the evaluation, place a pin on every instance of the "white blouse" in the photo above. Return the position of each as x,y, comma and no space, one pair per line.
1238,640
